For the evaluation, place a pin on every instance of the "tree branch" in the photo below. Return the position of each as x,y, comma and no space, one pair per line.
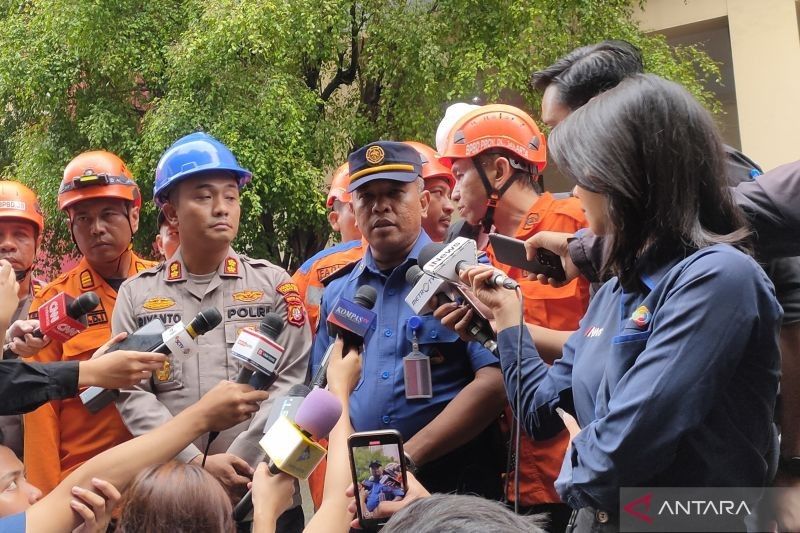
344,77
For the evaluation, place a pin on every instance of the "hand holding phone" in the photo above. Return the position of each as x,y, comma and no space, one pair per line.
379,473
510,251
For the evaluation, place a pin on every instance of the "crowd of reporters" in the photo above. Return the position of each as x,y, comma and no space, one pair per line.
634,387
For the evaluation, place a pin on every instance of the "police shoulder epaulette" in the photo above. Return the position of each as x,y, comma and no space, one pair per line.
158,267
339,273
259,263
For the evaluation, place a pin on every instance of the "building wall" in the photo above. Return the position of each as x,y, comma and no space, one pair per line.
757,43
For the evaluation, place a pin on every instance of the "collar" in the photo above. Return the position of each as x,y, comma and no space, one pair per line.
231,267
652,274
536,212
89,279
368,261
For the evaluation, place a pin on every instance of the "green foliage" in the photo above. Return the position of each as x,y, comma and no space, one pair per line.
290,86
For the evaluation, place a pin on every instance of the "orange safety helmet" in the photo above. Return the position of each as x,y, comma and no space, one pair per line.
97,174
432,167
19,202
339,183
492,127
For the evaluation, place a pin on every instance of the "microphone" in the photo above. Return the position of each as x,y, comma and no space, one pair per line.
427,292
479,327
350,321
448,260
62,317
291,445
178,340
287,405
259,352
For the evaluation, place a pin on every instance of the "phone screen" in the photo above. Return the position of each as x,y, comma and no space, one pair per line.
378,470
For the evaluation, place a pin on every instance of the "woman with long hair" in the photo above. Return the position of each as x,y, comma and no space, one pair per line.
673,373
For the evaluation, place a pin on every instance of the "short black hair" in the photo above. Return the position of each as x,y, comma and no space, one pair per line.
655,153
589,70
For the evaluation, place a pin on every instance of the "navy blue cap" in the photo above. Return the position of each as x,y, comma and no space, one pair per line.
383,160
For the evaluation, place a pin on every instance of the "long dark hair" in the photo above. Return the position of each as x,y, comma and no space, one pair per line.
655,153
175,498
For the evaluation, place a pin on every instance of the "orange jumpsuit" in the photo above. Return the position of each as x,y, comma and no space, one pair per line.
554,308
61,435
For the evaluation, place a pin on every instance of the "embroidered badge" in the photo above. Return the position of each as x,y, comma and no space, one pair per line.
641,317
231,266
375,155
247,296
325,272
295,310
174,271
158,303
163,373
531,221
86,279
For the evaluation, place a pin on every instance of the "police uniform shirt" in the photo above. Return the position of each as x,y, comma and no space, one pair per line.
378,401
673,384
244,290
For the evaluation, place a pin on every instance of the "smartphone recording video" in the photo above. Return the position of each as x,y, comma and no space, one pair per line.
379,474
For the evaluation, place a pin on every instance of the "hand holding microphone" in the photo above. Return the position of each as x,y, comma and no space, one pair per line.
504,304
344,370
118,369
259,353
447,261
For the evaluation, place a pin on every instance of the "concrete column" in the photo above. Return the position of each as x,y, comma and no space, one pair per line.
765,46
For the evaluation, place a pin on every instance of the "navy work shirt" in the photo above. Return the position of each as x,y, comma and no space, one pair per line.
672,385
378,401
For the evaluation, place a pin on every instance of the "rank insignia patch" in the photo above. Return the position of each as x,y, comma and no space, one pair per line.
174,271
86,279
231,266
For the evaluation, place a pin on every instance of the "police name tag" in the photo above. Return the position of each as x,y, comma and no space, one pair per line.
179,342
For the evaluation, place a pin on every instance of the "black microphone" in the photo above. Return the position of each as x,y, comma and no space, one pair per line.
479,327
449,260
259,352
350,321
173,340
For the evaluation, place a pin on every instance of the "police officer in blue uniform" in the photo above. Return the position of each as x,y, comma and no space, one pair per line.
450,435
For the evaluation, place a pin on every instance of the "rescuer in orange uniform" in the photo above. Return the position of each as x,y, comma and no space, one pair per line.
102,203
497,154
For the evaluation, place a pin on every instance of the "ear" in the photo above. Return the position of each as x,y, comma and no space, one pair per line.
333,220
503,171
170,214
133,217
159,244
424,202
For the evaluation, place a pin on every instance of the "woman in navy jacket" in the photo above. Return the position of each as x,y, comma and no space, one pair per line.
673,373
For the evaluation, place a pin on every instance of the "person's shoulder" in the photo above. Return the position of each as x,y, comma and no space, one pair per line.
569,207
723,264
330,254
61,282
263,267
142,275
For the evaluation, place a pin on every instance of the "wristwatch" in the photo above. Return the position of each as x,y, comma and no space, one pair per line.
789,465
411,466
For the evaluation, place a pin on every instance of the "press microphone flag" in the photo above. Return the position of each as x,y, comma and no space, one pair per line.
62,317
447,262
258,350
173,340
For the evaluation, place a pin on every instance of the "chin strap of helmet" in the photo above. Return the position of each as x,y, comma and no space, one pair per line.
494,194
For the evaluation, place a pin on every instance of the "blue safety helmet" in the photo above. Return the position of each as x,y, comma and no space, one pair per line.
190,155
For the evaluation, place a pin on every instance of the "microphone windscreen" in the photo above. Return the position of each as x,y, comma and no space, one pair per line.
206,320
83,304
428,252
319,412
413,274
366,297
271,325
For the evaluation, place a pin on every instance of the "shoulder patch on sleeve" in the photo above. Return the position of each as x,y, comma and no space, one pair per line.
295,310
